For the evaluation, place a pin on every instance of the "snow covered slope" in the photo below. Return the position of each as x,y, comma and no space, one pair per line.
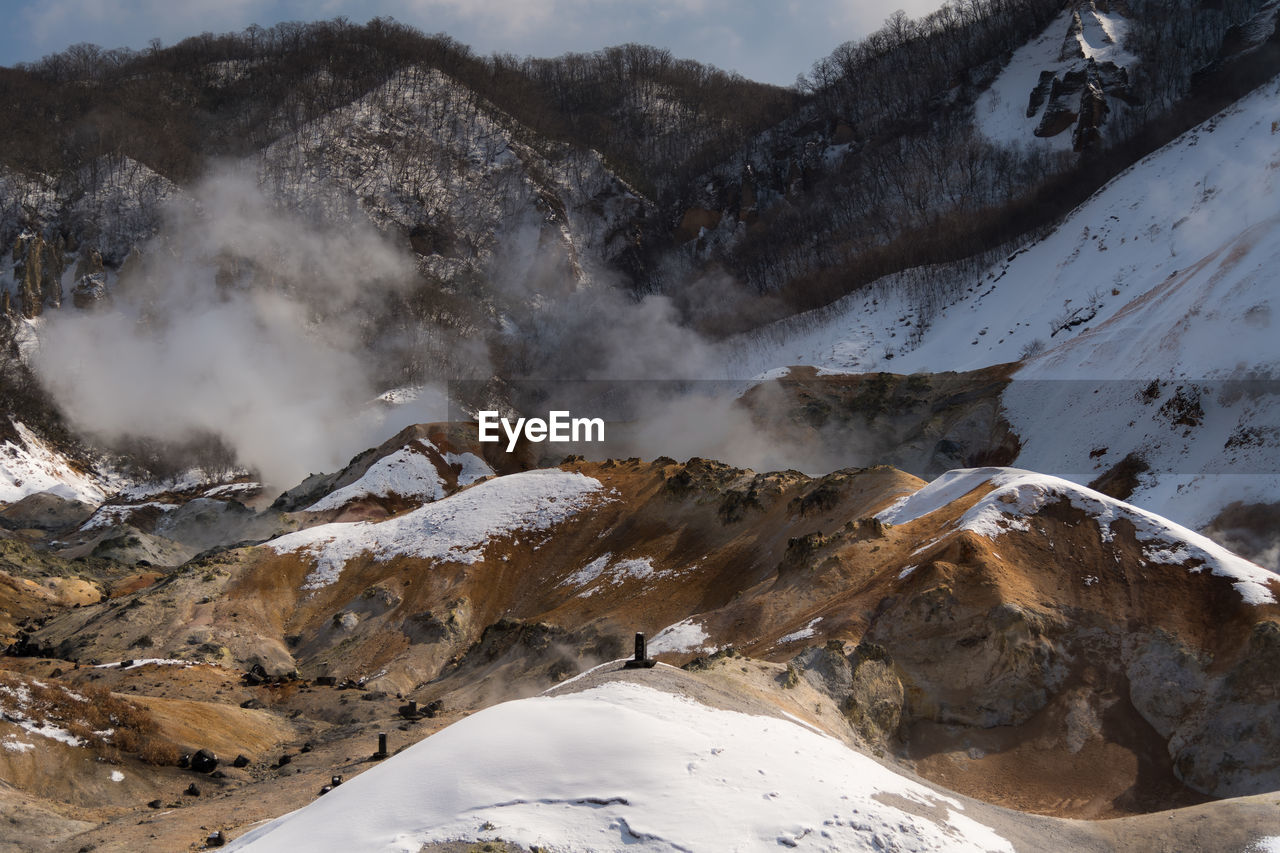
407,473
29,465
1167,273
454,529
1017,495
627,767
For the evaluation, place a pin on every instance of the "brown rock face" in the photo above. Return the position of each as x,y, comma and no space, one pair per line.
29,272
38,269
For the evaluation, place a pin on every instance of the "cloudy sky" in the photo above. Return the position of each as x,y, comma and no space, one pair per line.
767,40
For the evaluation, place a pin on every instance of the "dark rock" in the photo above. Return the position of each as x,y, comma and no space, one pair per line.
45,511
1040,93
204,761
1071,48
1064,104
155,804
193,790
1093,112
256,675
326,680
216,839
1114,80
253,704
241,761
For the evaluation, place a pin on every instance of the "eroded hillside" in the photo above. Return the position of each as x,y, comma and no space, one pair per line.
1010,636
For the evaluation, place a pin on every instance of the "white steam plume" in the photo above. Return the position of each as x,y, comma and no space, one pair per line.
245,322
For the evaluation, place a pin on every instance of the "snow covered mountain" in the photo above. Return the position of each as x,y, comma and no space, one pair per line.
1143,322
961,654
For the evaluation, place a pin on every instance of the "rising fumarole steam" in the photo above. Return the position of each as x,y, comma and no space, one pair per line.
243,321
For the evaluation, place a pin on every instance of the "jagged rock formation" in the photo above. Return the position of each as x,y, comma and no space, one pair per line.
1092,72
1078,99
38,267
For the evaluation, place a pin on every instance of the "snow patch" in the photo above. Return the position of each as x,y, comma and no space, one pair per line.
803,634
684,636
146,662
589,572
634,568
454,529
408,472
473,467
637,567
112,514
231,489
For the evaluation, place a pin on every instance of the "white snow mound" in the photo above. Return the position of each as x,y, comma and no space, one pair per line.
627,767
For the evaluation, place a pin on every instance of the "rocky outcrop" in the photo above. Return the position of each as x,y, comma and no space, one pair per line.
1093,112
37,269
45,511
1071,47
1079,99
1040,93
966,666
90,263
90,291
1064,104
1222,723
876,697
